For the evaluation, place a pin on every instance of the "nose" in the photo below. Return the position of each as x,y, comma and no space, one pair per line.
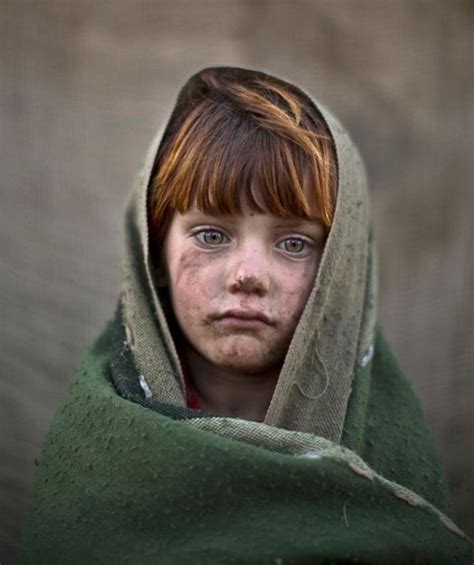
249,273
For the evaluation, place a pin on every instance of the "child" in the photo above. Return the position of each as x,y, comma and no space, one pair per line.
243,406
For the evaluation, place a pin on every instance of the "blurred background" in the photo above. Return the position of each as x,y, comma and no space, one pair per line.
85,84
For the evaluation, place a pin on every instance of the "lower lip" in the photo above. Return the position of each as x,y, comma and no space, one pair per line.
242,323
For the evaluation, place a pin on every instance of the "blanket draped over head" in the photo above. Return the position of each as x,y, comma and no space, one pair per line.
342,469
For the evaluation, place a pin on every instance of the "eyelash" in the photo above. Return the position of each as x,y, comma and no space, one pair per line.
201,234
306,246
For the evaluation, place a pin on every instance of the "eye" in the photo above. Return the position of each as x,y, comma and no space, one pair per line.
211,237
295,246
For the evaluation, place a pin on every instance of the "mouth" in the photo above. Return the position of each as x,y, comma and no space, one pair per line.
243,319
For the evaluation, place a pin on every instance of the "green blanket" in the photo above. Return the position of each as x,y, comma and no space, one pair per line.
120,483
342,469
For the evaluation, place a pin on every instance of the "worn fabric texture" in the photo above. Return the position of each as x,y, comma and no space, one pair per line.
342,469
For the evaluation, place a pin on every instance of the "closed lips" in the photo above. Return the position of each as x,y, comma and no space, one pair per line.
245,315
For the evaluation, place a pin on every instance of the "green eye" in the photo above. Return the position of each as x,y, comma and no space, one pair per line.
294,245
211,237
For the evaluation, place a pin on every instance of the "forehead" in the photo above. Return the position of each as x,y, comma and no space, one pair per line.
247,216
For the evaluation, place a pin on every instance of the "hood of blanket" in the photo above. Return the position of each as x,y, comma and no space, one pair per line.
335,331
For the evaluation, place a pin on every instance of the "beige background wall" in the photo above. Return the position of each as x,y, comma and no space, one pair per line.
84,84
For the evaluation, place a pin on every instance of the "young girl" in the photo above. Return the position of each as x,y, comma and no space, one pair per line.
243,405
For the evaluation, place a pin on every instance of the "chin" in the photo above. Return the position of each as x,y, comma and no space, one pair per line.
246,358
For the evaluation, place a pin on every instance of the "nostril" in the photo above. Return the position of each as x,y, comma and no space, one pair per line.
249,284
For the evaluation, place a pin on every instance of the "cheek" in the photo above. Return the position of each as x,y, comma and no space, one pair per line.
295,286
193,282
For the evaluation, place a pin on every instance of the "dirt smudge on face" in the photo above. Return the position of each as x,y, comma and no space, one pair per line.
189,263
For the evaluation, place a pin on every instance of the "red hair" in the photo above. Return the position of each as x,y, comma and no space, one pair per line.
251,138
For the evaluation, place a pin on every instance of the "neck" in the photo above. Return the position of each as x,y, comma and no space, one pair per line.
228,392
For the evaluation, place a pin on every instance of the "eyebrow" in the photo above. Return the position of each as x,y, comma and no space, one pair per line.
197,214
300,223
289,223
296,223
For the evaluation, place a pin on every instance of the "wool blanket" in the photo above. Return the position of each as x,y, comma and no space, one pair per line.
125,480
343,469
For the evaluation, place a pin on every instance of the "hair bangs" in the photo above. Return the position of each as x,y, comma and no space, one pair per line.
242,146
247,166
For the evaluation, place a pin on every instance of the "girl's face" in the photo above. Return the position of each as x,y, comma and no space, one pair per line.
238,284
